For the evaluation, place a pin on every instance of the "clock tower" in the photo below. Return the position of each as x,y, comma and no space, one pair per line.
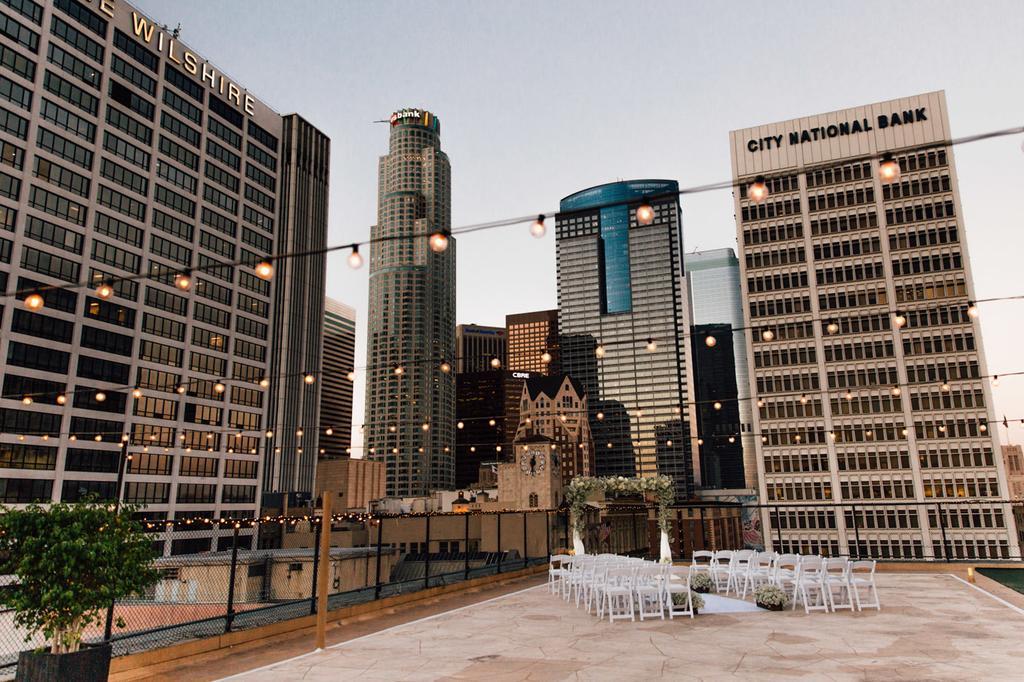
533,479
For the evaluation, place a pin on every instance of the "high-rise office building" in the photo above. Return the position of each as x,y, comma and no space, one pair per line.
864,352
477,347
410,382
533,342
131,163
336,386
623,317
487,413
725,456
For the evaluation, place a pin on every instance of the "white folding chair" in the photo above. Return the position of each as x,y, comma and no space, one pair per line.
618,594
702,561
557,571
862,576
720,569
811,584
836,578
760,572
738,568
647,587
678,582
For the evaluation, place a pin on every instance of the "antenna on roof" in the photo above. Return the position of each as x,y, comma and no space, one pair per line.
177,31
382,121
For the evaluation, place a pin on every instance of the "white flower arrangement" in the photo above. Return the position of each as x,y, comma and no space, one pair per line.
701,582
771,596
581,487
696,601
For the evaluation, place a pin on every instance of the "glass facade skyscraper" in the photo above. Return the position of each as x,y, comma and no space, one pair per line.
410,399
623,318
726,457
336,387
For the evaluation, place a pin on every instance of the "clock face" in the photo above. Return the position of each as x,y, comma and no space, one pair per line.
532,463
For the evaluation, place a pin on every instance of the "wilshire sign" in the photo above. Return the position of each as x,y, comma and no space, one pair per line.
861,125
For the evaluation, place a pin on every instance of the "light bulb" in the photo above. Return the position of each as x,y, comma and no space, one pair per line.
100,396
34,302
537,228
491,422
309,378
264,270
328,431
944,387
461,425
137,393
983,427
732,439
264,382
599,351
803,398
972,309
351,376
545,357
298,433
652,345
425,426
97,438
355,259
399,370
495,363
27,400
104,290
899,319
600,416
757,191
848,395
767,335
183,280
219,387
181,389
438,242
888,168
269,434
995,379
445,367
62,399
896,391
644,214
717,405
700,441
760,402
710,341
833,327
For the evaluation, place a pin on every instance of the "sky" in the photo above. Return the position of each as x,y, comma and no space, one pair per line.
539,99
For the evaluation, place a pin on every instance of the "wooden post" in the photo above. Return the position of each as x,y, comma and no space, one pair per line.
325,562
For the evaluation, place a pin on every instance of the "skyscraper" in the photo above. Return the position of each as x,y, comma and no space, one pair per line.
336,386
622,317
476,347
864,350
133,164
533,342
724,423
410,385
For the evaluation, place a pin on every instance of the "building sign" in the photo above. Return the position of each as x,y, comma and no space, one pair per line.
417,116
155,37
520,375
862,125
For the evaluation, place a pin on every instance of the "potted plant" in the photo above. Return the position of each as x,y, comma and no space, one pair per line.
697,601
70,563
701,582
771,597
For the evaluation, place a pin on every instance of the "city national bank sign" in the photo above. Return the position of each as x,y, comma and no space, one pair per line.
155,37
861,125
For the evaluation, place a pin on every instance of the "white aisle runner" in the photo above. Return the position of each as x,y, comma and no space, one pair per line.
716,603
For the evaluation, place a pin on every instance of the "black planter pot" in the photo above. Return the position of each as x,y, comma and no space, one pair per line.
89,664
771,607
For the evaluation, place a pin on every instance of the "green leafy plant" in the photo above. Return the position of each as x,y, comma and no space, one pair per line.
701,582
771,596
71,562
697,601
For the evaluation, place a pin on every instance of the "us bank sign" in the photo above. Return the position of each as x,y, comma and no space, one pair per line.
155,37
860,125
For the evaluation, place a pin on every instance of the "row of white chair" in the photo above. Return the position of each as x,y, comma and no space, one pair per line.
831,583
621,587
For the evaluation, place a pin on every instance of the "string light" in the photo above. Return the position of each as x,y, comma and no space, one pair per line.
600,416
181,389
896,390
717,405
61,399
760,402
833,327
644,214
972,309
446,367
269,434
888,168
399,370
710,341
309,378
219,387
803,398
183,280
104,290
652,345
899,319
461,425
298,433
495,363
27,400
425,426
599,351
355,259
545,357
995,379
538,229
767,335
328,431
100,396
264,270
491,422
34,302
351,376
848,395
945,387
137,393
757,192
438,242
264,382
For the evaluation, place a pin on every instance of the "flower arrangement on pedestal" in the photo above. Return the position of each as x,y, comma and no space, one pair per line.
582,487
771,597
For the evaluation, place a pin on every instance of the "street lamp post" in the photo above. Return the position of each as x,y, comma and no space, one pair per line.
122,464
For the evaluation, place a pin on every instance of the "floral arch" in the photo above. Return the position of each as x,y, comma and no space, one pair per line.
582,487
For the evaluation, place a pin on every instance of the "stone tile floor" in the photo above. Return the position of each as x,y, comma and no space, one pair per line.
932,627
